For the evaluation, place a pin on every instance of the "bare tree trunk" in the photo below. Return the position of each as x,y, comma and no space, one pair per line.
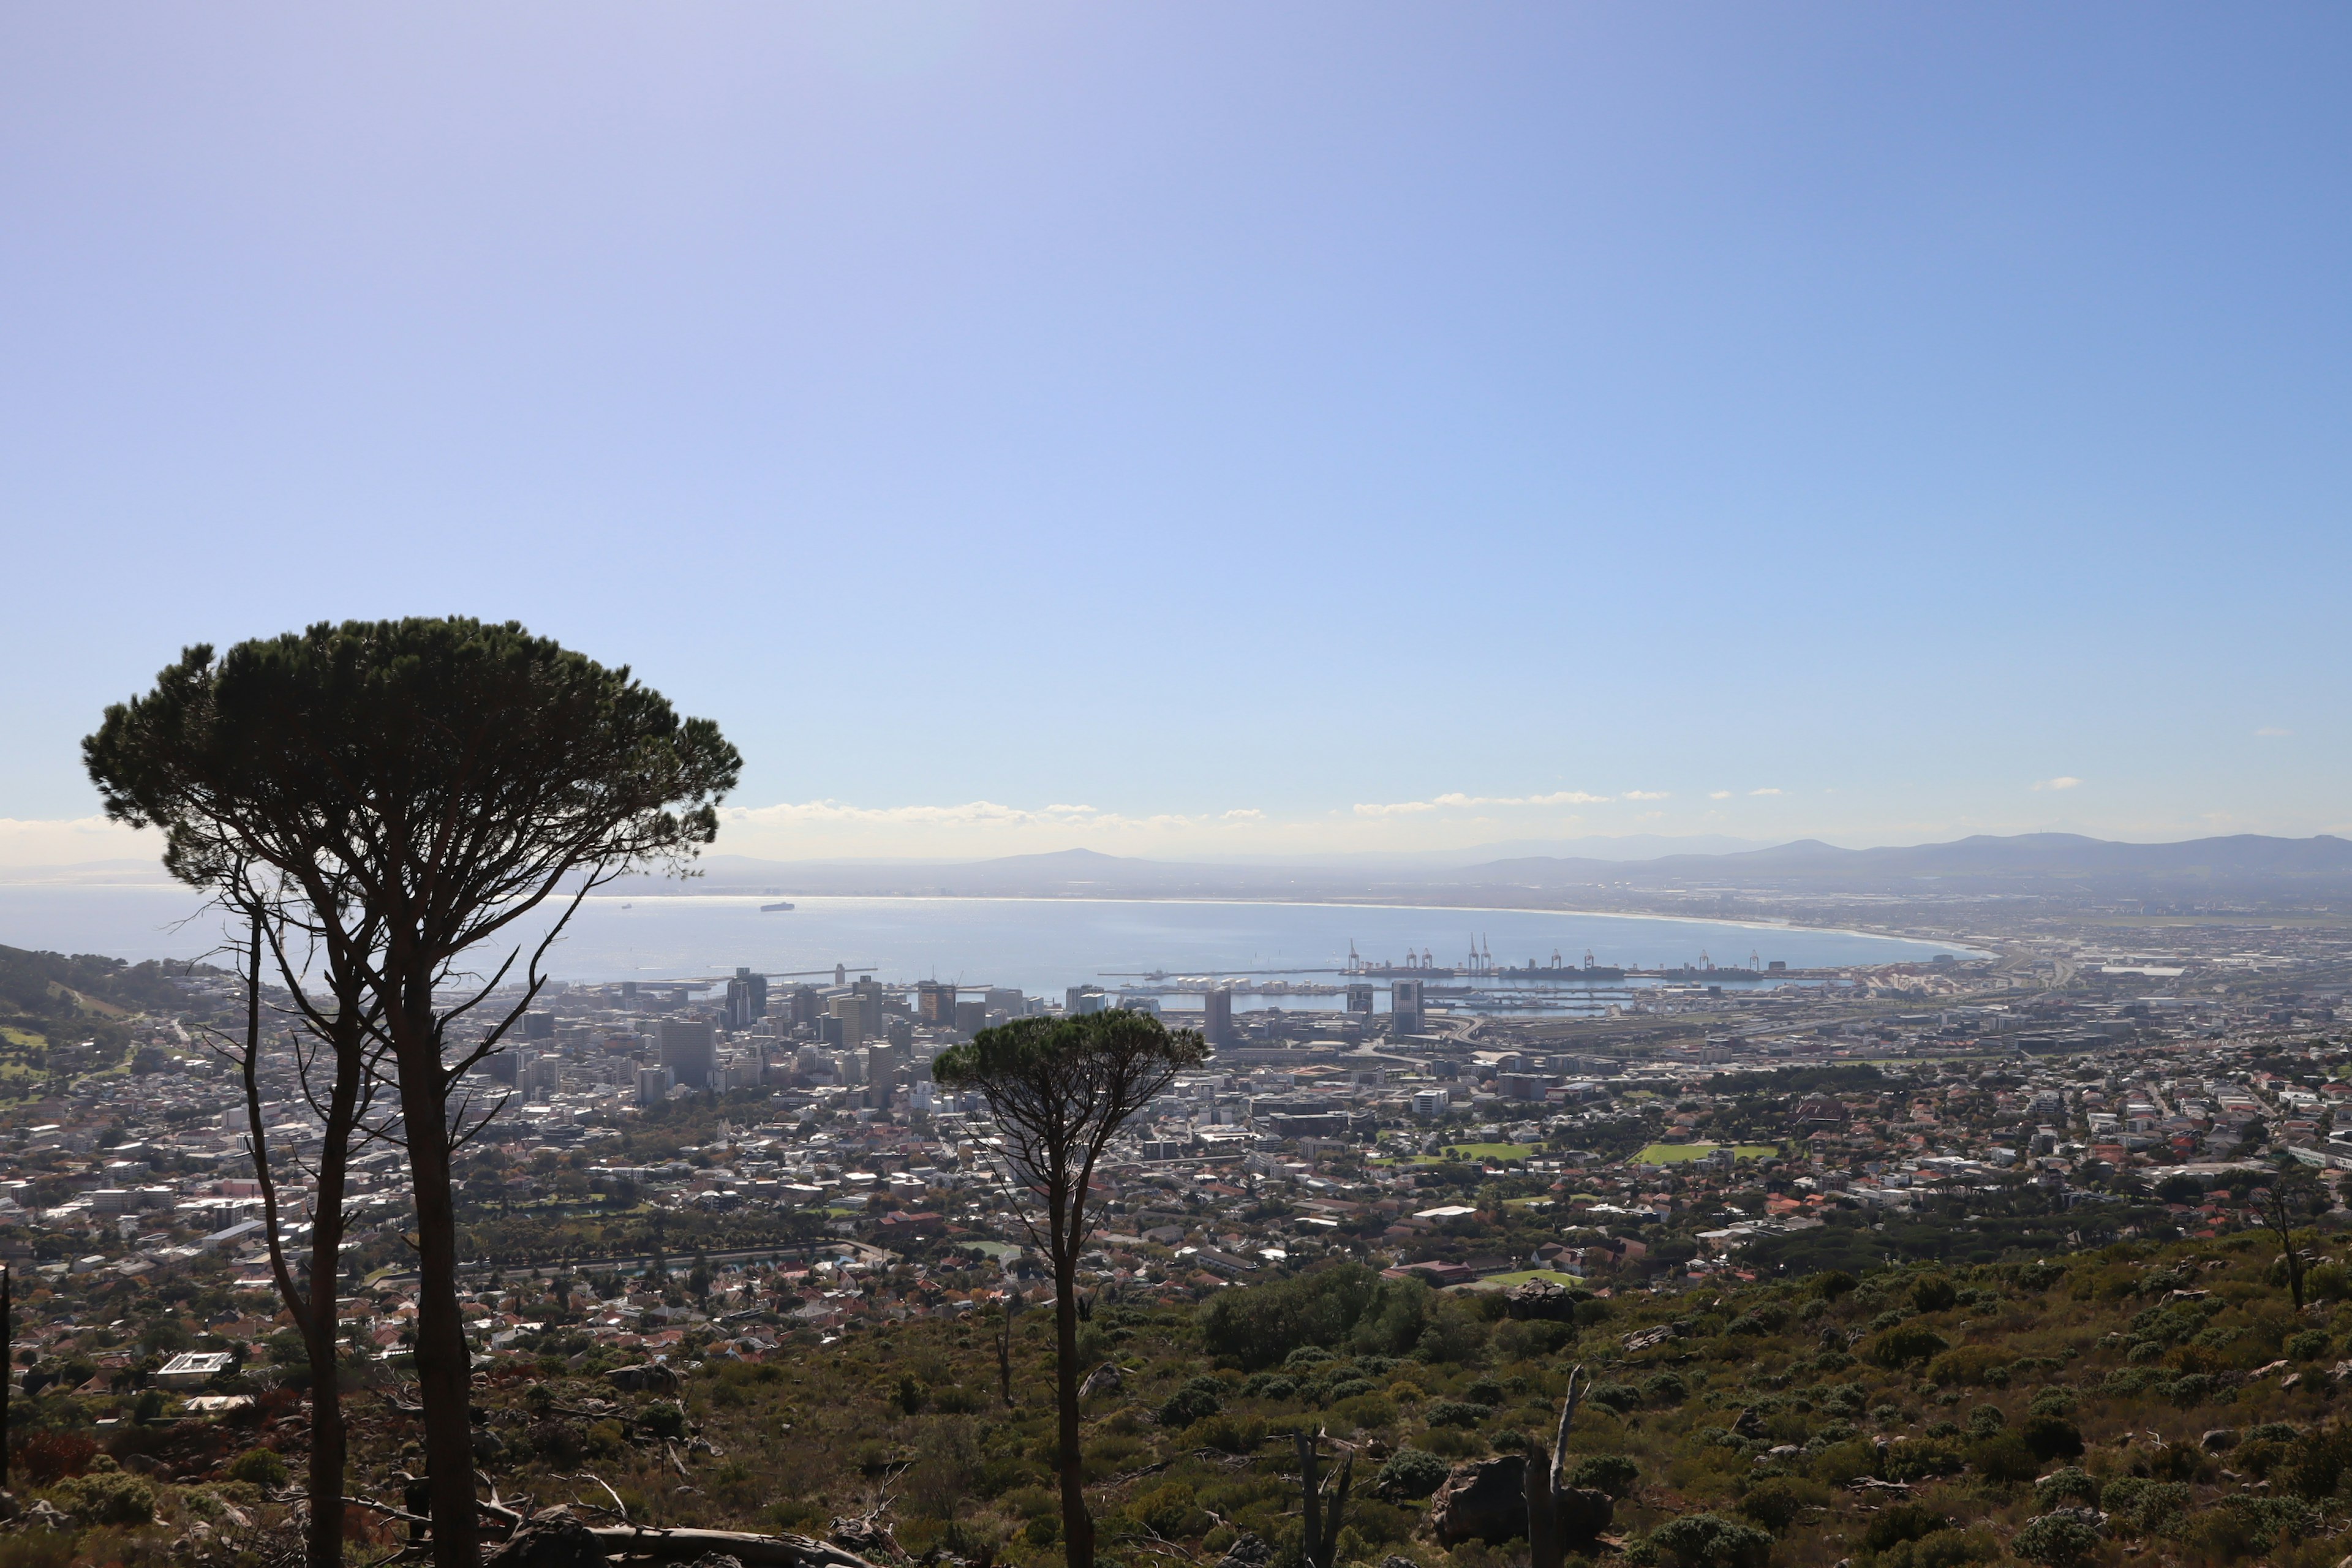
1545,1476
1077,1525
444,1364
1003,1349
1322,1517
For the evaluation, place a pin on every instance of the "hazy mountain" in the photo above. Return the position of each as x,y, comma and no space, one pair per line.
2044,863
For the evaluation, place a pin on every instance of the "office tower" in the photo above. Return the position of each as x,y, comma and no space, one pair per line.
1084,999
687,1051
1359,999
539,1025
935,1004
1217,1017
543,1077
1405,1016
653,1084
883,1062
830,1033
1007,1000
747,999
868,992
807,1007
850,1009
970,1017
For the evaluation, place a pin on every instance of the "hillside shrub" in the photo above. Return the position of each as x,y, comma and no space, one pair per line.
1346,1303
1196,1401
2052,1438
2072,1485
1412,1473
1778,1502
1922,1458
1905,1521
2005,1458
1611,1473
2152,1507
1704,1540
2056,1540
49,1456
1905,1344
1665,1388
1970,1366
258,1466
1456,1413
108,1497
2246,1525
1934,1293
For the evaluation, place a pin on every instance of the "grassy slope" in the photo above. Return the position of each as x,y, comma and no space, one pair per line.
911,1410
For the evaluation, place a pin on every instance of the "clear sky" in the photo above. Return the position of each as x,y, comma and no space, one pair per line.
1219,428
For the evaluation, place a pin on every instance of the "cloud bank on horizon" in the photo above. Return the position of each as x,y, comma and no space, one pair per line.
822,829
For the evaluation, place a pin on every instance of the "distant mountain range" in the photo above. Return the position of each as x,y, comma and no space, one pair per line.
2244,866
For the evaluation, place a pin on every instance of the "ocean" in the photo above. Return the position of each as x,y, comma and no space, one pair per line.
1039,945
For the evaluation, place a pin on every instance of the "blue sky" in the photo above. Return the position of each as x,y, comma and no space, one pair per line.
1224,428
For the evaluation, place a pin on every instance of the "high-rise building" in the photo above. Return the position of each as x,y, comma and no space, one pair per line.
935,1004
539,1025
1084,999
1217,1017
1405,1015
652,1083
850,1008
687,1051
1007,1000
1359,999
747,999
807,1007
970,1017
868,992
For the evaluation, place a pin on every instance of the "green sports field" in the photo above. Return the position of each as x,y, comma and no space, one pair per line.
1676,1153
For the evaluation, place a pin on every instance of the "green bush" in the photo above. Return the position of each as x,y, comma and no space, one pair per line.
2155,1507
1904,1522
1412,1473
1904,1344
1611,1473
1196,1401
1920,1459
2055,1399
1456,1413
2249,1526
112,1497
1778,1502
2005,1458
1665,1388
1704,1540
2052,1438
1971,1366
2072,1485
1934,1294
2055,1541
258,1466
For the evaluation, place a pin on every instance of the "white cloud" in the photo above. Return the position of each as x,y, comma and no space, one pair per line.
1453,801
75,841
2059,783
1718,794
1245,814
1767,791
1645,795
